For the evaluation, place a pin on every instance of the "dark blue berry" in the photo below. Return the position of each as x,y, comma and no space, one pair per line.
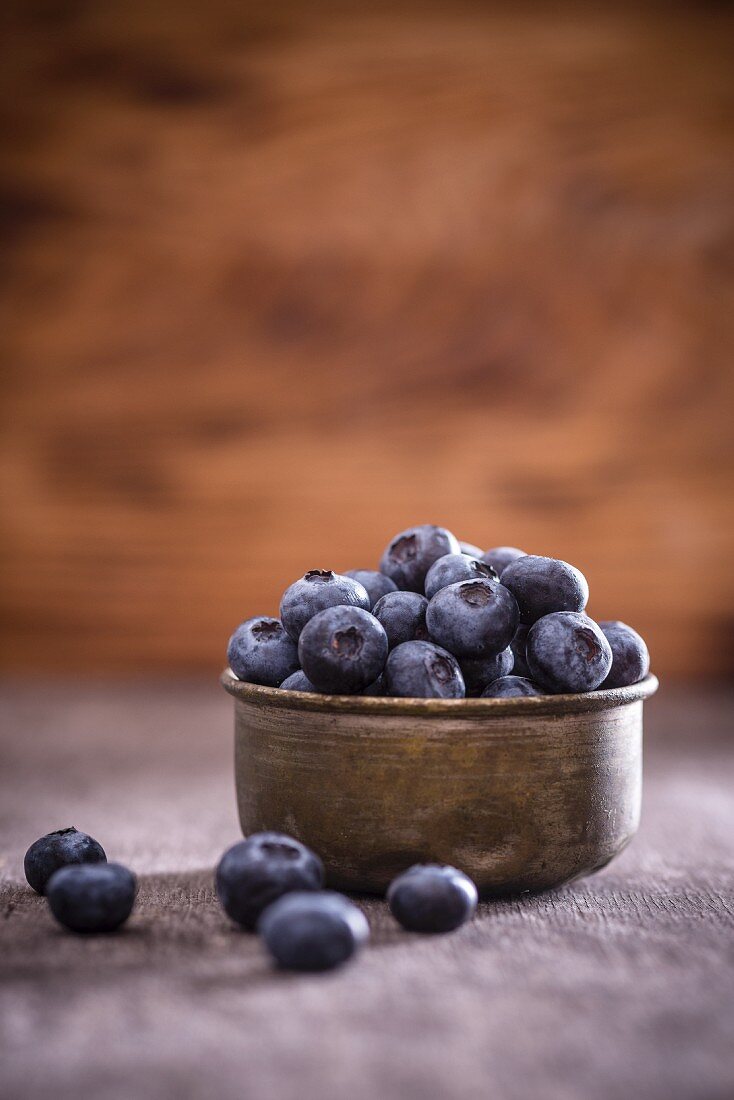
314,592
298,681
403,617
431,898
511,687
56,850
410,555
480,671
473,618
470,549
92,897
342,650
313,931
452,568
378,688
544,585
499,557
517,645
376,584
260,652
630,657
422,670
567,652
256,872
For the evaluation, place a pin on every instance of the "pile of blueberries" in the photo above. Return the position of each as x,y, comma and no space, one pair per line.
440,619
269,883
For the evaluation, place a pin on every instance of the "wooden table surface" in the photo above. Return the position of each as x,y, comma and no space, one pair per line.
620,986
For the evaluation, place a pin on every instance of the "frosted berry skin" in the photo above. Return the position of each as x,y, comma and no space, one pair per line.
473,618
511,687
403,617
517,645
431,898
544,585
567,652
92,897
299,681
499,557
376,584
260,652
314,592
470,549
312,932
478,672
410,555
256,872
630,657
60,849
342,650
452,568
422,670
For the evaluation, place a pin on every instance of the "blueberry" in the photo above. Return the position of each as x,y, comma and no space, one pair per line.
510,687
630,657
480,671
500,556
92,897
403,617
256,872
313,931
452,568
517,645
314,592
567,652
343,650
431,898
298,681
473,618
376,584
378,688
260,652
56,850
470,549
544,585
422,670
411,554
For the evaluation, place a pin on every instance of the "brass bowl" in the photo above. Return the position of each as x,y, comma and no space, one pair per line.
521,794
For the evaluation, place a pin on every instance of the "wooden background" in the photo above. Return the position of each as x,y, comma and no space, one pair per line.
281,280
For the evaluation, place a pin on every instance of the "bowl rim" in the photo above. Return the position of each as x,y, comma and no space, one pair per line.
377,705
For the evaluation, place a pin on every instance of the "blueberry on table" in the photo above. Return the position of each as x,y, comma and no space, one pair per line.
92,897
511,687
517,645
452,568
470,549
544,585
422,670
260,652
473,618
630,657
314,592
403,617
567,652
297,681
56,850
376,584
410,555
499,557
478,672
313,931
256,872
342,650
431,898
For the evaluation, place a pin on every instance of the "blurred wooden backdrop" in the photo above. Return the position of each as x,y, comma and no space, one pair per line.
283,279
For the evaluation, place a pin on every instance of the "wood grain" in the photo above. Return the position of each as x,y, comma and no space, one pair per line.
282,281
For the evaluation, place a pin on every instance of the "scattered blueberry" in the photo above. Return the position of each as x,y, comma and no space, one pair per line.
431,898
313,931
376,584
314,592
403,617
256,872
500,556
567,652
298,681
91,897
473,618
630,658
411,554
470,549
342,650
517,645
56,850
511,687
478,672
422,670
544,585
452,568
260,652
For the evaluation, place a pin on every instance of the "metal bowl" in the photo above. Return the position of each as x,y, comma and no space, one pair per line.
521,794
